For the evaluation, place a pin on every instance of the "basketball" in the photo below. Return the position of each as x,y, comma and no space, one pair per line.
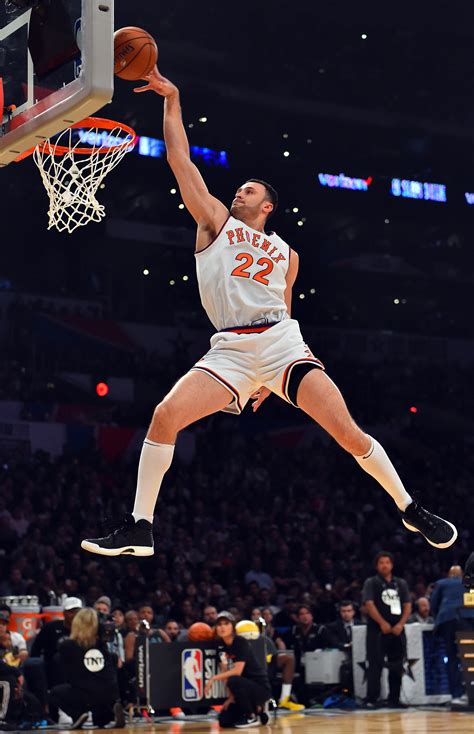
200,631
248,629
135,53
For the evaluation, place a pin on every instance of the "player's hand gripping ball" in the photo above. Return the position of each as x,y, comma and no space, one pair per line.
135,53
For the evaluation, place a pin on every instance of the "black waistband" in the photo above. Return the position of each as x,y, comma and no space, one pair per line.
249,329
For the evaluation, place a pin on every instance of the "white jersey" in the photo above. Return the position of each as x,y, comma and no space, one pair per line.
241,276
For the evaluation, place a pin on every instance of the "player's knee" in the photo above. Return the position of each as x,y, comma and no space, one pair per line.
165,417
354,441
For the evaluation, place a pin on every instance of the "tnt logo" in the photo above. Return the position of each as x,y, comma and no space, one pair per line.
192,675
94,661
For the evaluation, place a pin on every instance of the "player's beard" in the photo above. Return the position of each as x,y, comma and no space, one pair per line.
243,212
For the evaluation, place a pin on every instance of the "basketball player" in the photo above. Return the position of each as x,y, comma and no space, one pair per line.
245,277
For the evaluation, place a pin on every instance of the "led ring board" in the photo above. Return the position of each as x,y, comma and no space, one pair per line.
56,67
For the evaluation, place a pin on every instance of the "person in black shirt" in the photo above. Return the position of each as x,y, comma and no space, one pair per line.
91,674
247,680
387,602
306,635
48,638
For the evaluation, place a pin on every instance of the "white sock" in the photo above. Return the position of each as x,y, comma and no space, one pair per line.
376,463
155,460
285,691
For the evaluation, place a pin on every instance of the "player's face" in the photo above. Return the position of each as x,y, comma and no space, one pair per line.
250,201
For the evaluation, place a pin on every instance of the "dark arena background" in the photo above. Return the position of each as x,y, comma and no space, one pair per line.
362,118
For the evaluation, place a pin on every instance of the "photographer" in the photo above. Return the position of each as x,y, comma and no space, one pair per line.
91,675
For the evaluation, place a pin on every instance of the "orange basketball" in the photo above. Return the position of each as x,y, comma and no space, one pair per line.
200,631
135,53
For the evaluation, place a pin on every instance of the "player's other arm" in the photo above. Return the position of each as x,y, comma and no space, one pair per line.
209,212
290,278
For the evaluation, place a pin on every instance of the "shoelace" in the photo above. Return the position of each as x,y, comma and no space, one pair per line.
429,519
111,528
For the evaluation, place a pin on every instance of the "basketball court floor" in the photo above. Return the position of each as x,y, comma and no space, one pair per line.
359,722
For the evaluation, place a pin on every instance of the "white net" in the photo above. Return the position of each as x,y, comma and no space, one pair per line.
72,180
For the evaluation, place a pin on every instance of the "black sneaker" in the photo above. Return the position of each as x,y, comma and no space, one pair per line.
129,538
438,532
81,719
119,716
246,722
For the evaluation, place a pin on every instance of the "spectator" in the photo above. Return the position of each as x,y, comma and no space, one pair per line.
387,601
90,675
155,635
340,631
209,615
256,574
15,585
306,635
19,708
422,614
288,616
47,641
13,644
340,636
118,615
447,602
172,630
103,605
131,621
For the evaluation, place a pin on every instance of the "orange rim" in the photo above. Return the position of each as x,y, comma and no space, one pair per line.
99,123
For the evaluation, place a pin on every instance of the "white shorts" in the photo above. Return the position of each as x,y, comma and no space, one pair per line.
246,361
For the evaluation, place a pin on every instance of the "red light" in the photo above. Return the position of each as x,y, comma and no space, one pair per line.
413,409
102,389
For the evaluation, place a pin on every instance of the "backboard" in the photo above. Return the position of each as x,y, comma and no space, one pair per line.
56,66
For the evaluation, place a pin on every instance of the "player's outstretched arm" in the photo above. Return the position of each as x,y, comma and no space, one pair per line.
208,211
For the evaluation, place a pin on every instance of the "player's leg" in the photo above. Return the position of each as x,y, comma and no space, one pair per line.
319,397
194,396
285,662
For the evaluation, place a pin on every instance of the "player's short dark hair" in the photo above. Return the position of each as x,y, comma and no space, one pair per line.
347,603
383,554
304,606
272,194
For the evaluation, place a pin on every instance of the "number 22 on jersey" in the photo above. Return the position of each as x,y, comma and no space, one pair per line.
242,270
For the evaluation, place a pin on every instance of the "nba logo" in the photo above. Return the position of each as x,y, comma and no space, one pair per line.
192,675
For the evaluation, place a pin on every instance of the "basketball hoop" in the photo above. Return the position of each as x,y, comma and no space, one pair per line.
73,169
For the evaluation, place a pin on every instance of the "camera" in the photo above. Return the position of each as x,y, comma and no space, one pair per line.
106,627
